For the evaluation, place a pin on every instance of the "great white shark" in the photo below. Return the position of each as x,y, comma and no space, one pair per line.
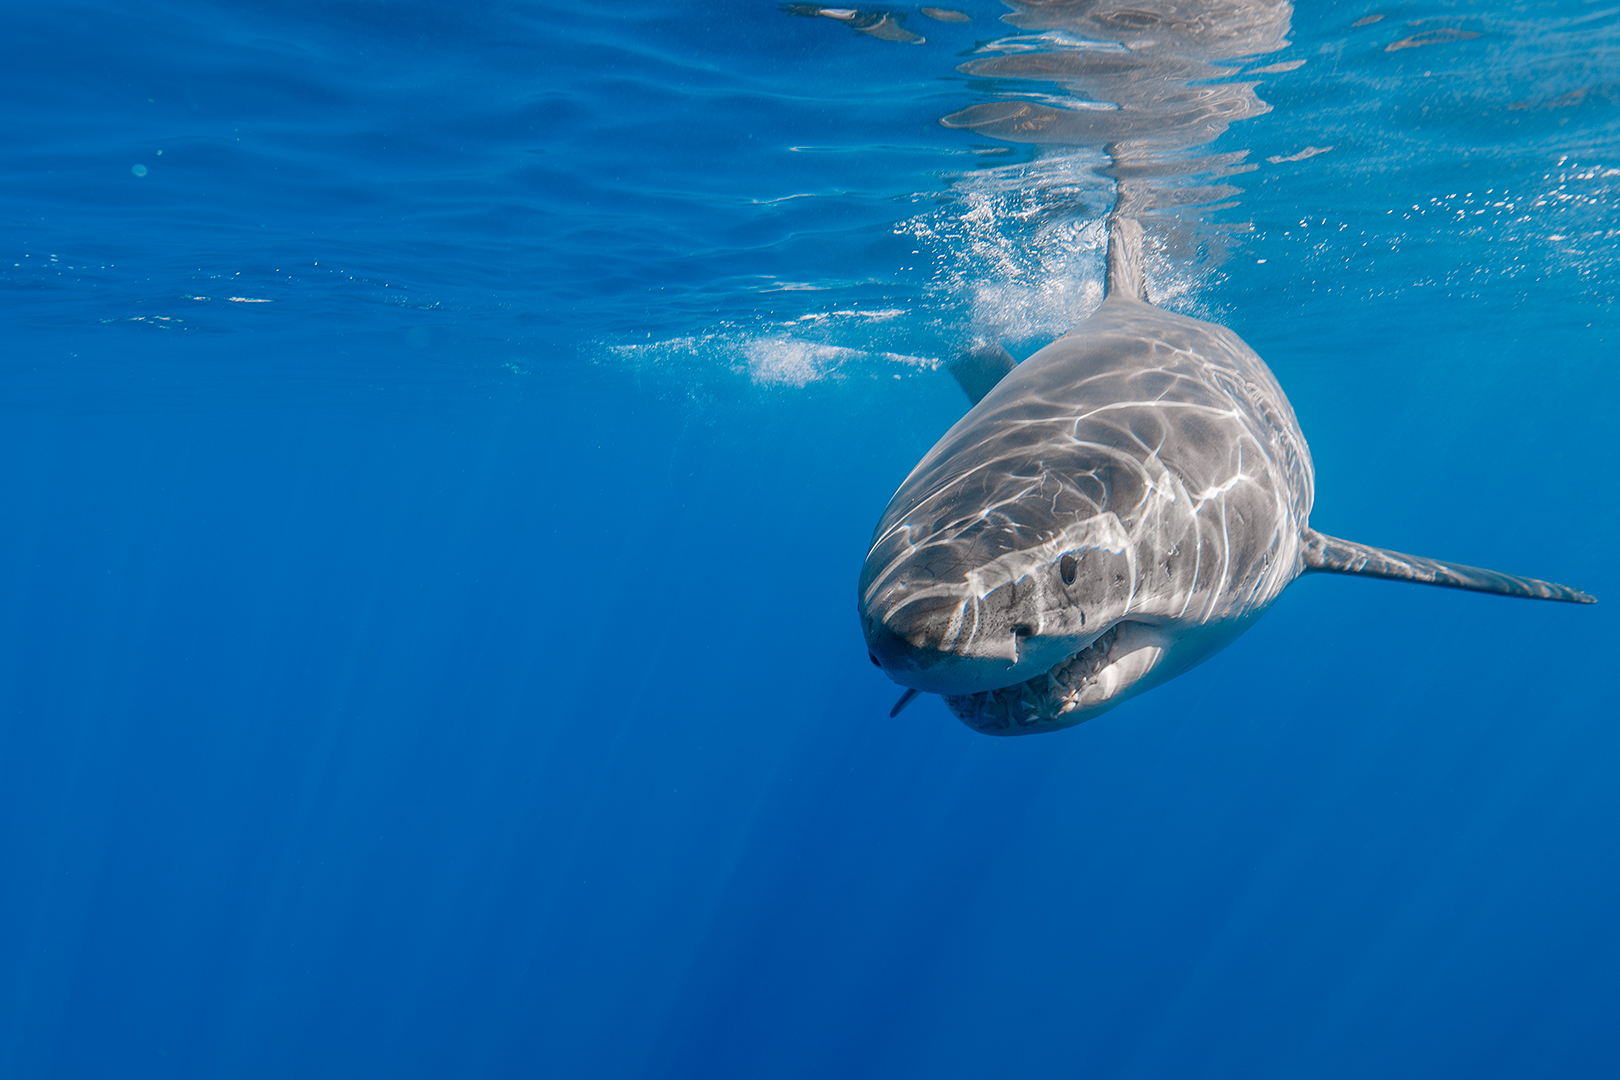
1109,514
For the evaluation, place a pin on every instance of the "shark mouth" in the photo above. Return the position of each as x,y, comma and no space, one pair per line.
1087,683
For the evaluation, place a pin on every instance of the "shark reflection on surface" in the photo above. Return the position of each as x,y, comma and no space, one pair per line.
883,25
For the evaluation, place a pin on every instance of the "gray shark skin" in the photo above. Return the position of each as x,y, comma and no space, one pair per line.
1111,513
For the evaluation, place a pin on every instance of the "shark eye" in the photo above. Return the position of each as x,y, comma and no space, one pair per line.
1066,568
873,658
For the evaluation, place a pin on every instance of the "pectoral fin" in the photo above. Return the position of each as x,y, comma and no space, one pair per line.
1330,555
978,370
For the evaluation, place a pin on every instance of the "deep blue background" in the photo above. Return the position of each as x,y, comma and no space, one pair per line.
400,678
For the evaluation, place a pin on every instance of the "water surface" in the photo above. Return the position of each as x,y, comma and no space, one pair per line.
442,441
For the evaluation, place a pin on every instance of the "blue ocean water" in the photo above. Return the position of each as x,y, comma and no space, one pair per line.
441,442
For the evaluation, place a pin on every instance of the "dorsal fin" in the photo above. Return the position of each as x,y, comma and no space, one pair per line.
1334,556
979,369
1125,275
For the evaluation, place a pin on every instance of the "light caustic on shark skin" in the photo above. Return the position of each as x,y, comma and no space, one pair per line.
1108,515
1123,504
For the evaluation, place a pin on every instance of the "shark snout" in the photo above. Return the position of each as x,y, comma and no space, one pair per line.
918,643
953,646
888,649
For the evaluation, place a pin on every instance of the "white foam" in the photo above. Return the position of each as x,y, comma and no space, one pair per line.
767,358
785,361
1021,246
1017,253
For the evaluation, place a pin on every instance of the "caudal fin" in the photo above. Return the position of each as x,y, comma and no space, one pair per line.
1331,555
1125,275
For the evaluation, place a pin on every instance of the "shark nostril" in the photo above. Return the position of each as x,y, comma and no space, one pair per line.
1067,566
1023,630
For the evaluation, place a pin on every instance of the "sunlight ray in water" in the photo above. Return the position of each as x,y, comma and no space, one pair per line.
440,445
